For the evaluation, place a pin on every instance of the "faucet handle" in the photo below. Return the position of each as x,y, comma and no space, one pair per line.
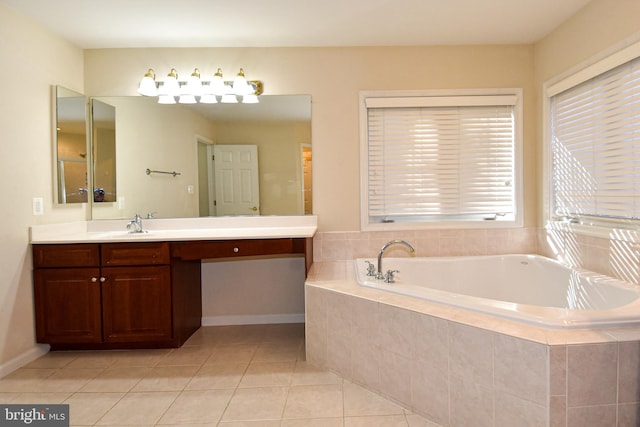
371,268
151,215
388,278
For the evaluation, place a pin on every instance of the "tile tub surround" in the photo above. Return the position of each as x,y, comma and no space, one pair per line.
342,246
462,368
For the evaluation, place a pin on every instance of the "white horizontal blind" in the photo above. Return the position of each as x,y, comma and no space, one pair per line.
443,161
595,146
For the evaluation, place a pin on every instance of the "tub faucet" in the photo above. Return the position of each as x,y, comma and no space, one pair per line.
135,225
379,274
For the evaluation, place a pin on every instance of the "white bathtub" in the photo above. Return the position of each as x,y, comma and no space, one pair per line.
528,288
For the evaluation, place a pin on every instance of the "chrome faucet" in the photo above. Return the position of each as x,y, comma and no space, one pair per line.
135,225
379,274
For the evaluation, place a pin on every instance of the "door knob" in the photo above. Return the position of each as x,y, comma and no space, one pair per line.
255,208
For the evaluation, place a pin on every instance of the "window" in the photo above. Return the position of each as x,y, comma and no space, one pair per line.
440,159
594,144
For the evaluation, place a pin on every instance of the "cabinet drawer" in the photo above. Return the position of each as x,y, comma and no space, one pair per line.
116,254
233,248
72,255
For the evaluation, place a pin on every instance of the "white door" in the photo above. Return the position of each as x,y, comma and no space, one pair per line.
236,169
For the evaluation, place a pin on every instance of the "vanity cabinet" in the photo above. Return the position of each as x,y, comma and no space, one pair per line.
132,294
110,295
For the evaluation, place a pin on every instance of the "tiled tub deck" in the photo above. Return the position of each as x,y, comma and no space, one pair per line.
460,368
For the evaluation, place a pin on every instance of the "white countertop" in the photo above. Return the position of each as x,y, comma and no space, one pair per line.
178,229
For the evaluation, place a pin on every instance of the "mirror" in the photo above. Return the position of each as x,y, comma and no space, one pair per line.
103,134
165,166
70,147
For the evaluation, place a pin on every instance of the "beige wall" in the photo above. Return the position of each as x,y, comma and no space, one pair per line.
333,77
33,60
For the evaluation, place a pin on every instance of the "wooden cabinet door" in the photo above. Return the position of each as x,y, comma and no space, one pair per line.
67,305
136,304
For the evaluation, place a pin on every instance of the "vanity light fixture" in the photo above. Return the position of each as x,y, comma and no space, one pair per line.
195,89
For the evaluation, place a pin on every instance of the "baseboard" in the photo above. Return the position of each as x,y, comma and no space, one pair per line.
21,360
253,319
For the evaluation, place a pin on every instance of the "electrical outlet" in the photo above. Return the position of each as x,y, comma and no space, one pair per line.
38,206
120,202
190,189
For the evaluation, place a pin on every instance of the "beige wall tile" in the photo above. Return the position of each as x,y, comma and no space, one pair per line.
629,372
629,415
591,416
395,375
513,411
471,404
430,390
558,411
521,368
592,374
471,353
558,370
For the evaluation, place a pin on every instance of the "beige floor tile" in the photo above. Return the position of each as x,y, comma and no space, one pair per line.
314,422
139,358
53,359
166,378
68,379
359,401
216,376
185,356
308,374
88,408
278,352
264,374
250,404
241,353
376,421
261,423
116,380
92,360
25,380
314,401
138,409
417,421
237,376
197,407
51,397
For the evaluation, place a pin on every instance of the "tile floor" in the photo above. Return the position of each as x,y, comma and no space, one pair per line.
227,376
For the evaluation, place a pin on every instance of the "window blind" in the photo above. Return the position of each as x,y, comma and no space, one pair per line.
595,146
451,160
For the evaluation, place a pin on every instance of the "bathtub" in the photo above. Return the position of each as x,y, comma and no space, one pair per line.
526,288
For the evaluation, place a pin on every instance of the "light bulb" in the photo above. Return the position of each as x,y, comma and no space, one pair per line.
147,85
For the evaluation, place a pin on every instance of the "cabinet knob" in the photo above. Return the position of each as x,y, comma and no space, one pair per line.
103,279
94,279
236,250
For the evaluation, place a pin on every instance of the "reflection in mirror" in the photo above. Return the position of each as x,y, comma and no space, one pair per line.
70,147
181,138
103,133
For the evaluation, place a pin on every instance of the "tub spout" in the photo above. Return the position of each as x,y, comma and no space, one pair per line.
379,274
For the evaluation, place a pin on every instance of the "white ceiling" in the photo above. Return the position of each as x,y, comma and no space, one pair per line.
262,23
